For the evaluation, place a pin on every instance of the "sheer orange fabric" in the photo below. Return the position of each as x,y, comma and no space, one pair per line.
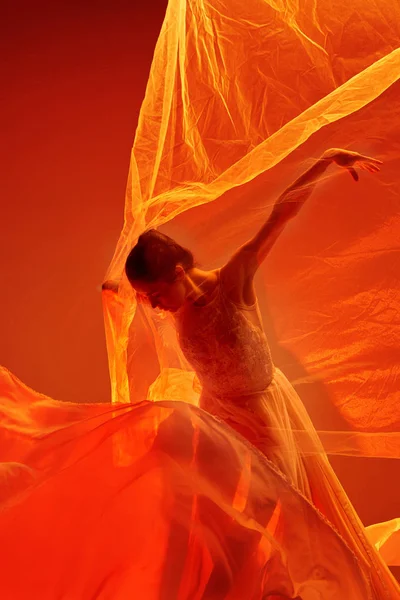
240,99
191,511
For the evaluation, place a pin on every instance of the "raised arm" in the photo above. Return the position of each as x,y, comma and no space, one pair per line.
240,270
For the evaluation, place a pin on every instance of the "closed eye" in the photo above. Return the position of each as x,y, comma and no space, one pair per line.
147,298
143,298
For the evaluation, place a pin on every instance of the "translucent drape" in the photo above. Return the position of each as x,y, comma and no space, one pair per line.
193,512
241,98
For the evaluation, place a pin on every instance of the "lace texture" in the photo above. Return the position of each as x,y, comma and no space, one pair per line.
226,346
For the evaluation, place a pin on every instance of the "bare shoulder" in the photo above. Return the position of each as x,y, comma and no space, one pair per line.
237,277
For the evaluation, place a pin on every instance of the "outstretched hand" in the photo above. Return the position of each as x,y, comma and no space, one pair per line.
349,160
111,285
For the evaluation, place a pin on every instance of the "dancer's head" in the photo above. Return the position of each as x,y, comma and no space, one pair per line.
156,268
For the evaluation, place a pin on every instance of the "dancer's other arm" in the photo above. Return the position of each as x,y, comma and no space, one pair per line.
241,268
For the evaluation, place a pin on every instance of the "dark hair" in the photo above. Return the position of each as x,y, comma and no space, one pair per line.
155,257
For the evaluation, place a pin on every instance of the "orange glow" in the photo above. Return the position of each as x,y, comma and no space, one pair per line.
151,496
230,117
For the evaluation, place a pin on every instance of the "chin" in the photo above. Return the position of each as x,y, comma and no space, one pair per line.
168,308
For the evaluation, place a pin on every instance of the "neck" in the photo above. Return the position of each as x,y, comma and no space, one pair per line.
199,283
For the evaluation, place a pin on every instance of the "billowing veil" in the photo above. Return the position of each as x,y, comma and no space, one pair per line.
241,99
173,504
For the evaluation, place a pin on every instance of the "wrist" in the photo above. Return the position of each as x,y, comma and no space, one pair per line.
111,285
331,154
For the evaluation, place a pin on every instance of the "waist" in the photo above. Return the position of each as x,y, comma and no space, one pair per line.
238,394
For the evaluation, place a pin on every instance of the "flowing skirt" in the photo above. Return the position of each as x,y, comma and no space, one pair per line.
165,501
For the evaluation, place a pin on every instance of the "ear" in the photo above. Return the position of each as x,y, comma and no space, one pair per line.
179,272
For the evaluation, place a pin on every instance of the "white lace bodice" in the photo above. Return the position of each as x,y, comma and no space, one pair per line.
226,346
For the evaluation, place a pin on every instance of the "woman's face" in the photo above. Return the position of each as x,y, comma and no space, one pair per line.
162,294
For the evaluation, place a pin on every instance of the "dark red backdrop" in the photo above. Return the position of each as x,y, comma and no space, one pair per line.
75,75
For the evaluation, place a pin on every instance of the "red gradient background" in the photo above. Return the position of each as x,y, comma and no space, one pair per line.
74,78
